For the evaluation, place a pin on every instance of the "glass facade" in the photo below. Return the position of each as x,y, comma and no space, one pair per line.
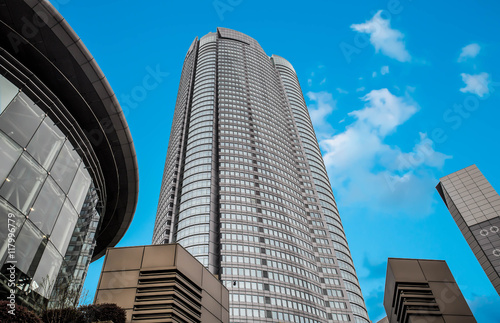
68,167
162,232
197,186
250,197
317,191
44,183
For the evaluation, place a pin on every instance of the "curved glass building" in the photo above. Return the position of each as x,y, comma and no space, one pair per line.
245,189
68,170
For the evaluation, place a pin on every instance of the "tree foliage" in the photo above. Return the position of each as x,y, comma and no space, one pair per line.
22,314
60,315
103,312
85,314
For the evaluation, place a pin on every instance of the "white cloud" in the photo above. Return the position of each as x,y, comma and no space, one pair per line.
423,154
469,51
309,82
368,172
385,111
477,84
383,70
360,89
341,91
385,39
323,81
410,89
320,107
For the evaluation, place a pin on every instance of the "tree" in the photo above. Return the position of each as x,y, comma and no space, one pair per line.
103,312
63,315
22,314
62,304
85,314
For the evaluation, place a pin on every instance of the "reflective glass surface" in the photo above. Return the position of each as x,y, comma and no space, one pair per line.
65,167
20,119
7,92
38,167
47,206
27,245
63,228
79,188
23,183
9,153
47,270
11,221
46,143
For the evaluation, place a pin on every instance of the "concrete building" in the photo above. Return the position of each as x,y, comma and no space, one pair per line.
68,171
162,283
475,207
245,189
423,291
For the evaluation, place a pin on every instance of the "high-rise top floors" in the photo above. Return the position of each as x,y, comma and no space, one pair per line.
245,188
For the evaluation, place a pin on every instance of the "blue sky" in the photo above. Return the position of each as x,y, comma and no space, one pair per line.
401,93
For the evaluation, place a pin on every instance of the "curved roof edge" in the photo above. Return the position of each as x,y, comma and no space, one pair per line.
58,57
239,36
278,60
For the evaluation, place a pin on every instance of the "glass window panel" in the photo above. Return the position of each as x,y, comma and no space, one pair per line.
65,167
10,222
65,273
47,270
79,188
9,153
7,92
23,183
47,206
46,143
21,119
27,245
63,229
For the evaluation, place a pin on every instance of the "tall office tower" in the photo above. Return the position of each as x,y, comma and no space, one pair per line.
475,207
245,188
68,171
423,291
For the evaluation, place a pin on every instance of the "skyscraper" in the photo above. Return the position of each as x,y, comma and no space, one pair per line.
245,189
68,171
475,207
